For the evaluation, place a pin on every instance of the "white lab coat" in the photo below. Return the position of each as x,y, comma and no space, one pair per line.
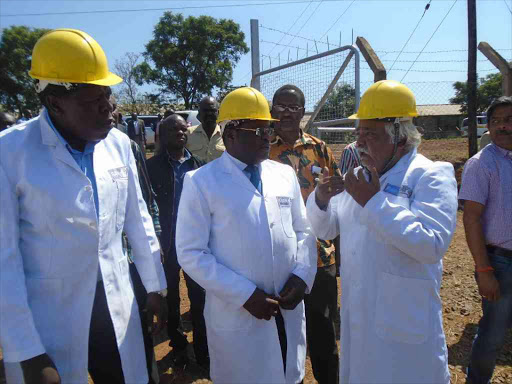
230,240
53,244
391,269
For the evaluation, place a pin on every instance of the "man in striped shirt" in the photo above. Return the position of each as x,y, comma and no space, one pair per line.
487,190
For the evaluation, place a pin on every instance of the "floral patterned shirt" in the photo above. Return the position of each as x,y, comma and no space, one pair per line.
308,152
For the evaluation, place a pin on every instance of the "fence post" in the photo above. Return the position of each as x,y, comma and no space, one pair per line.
499,62
379,71
255,53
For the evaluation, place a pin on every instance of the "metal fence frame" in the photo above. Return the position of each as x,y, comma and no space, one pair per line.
354,53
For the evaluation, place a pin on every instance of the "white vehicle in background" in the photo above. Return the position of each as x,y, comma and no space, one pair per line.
190,117
481,126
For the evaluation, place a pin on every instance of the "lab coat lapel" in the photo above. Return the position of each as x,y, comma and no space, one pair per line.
402,165
236,175
49,138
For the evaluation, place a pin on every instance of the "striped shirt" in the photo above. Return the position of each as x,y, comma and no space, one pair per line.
487,179
349,158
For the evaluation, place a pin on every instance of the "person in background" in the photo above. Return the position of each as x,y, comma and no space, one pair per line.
136,131
166,172
305,154
243,235
69,189
396,216
205,139
25,115
167,113
486,191
349,158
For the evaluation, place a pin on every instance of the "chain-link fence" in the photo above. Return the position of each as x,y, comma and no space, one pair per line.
330,82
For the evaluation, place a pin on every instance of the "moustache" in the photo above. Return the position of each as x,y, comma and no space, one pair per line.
504,132
362,150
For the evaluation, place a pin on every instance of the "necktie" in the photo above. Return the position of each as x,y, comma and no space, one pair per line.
255,177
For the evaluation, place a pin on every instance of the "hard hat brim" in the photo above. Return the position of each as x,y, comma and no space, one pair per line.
262,118
111,79
356,117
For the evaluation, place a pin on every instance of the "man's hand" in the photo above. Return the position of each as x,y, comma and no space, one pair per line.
360,189
261,305
327,187
488,286
292,293
155,307
40,370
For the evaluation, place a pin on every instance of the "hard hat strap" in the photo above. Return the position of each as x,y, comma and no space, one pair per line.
396,126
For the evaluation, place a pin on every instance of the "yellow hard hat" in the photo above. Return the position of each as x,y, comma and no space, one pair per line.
244,103
386,98
71,56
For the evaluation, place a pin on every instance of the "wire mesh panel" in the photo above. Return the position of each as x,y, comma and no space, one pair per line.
330,82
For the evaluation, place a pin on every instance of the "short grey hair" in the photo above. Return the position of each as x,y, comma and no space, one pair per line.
407,131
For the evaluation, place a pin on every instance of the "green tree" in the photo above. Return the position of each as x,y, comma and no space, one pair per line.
488,89
191,57
16,86
340,103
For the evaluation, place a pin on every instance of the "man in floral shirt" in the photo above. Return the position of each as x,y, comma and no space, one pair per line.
308,155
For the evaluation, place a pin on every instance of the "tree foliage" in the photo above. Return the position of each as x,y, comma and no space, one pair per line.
16,86
191,57
128,92
488,89
340,103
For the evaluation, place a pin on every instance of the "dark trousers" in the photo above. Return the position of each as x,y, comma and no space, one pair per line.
196,294
281,332
321,307
493,326
141,296
104,360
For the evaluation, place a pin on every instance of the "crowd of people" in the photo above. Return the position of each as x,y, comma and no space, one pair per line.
253,210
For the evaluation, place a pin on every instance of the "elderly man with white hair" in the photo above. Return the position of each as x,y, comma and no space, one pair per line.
395,216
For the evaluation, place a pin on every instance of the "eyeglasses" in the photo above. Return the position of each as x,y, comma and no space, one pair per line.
505,120
290,108
260,131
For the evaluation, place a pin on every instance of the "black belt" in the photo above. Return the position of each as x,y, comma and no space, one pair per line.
498,251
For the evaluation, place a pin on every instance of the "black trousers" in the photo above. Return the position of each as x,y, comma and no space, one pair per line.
196,294
321,307
141,297
104,359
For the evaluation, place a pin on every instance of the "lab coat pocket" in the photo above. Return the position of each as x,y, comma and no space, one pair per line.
403,309
285,210
226,316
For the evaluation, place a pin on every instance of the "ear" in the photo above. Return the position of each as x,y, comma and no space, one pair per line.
54,105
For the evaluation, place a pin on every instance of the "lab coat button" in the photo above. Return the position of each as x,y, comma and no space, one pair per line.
92,225
271,225
88,188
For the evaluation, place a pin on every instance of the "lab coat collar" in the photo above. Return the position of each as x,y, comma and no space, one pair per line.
402,164
235,168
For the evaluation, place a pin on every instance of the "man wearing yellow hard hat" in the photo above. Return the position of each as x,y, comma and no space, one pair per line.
69,189
242,234
395,216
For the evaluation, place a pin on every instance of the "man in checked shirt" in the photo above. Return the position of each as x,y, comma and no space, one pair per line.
487,192
303,152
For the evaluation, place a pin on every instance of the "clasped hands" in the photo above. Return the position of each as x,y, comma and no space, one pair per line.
263,306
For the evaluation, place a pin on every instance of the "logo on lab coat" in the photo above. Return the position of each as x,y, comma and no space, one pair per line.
118,173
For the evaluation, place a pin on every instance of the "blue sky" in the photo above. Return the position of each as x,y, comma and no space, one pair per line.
385,24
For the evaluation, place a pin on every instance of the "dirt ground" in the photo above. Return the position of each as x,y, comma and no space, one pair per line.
459,294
